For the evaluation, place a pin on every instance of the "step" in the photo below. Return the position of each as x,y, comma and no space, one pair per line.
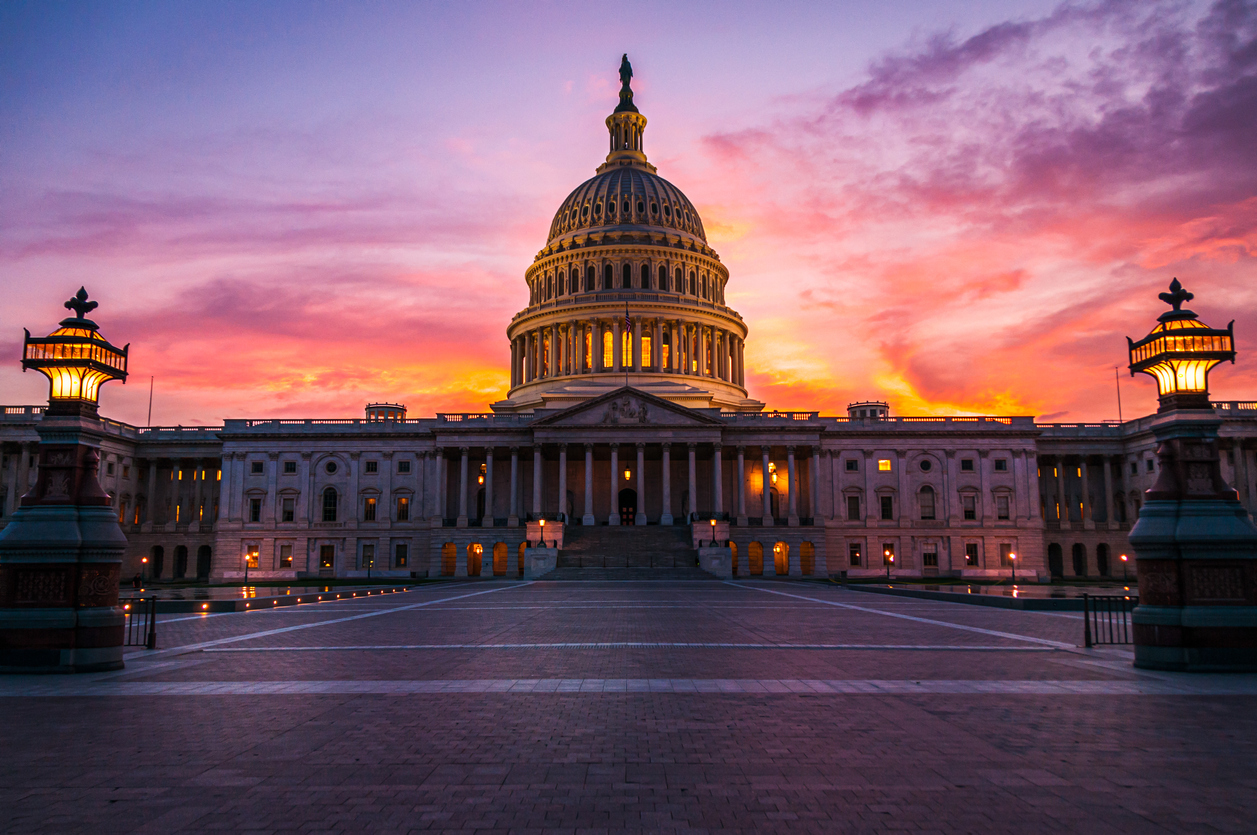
627,546
662,575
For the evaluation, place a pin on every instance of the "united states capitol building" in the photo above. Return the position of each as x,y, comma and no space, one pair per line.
628,429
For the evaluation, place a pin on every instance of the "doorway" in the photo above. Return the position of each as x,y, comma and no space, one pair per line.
628,506
203,562
755,558
1080,559
1102,559
1056,560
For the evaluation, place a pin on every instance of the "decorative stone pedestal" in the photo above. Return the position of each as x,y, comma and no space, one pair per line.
60,557
1196,557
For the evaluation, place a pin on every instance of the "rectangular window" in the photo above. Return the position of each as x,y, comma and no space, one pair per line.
929,559
126,471
288,513
403,509
927,503
853,465
853,508
368,555
646,341
329,505
400,555
368,511
1150,466
1001,507
1005,555
327,556
970,504
285,555
883,465
888,507
109,468
373,466
853,553
255,510
966,465
403,466
1001,465
290,468
1134,468
971,553
888,553
251,556
256,467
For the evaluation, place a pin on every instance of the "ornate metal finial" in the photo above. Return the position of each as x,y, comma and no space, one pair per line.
80,305
1177,295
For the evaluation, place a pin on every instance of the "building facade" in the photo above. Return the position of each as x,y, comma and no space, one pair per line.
627,407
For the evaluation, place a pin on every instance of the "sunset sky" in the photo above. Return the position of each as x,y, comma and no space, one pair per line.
290,209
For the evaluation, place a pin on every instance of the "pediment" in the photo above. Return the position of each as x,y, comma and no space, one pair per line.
627,406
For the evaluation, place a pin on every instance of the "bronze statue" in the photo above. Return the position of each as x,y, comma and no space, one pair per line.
626,72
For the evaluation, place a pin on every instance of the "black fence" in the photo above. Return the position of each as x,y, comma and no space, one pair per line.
1106,619
141,621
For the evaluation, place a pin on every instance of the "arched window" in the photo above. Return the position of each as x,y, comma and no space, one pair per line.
926,500
645,276
679,285
807,558
1080,559
755,558
626,277
550,287
590,275
693,286
607,277
608,347
329,504
663,278
781,559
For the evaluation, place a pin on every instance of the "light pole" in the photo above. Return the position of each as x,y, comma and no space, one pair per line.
1123,568
713,533
543,533
890,559
143,569
1012,561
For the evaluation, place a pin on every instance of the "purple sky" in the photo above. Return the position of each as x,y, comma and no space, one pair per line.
293,208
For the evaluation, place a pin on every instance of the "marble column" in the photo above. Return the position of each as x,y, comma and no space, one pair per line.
617,349
1088,520
614,517
588,518
666,484
1110,518
512,519
765,487
792,488
462,487
693,508
150,500
514,351
814,484
487,520
536,481
528,368
641,484
563,482
741,486
1061,496
717,479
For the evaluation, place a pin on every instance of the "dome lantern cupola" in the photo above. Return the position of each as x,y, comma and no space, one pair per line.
626,126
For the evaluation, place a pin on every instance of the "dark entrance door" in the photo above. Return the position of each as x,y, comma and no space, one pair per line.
628,506
1056,562
203,562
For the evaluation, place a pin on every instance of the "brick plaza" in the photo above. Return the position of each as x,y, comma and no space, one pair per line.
645,706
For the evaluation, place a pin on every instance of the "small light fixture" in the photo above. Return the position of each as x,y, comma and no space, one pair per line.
1179,352
76,359
628,474
772,472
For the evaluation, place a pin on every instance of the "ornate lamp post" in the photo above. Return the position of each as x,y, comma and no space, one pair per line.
1195,545
61,554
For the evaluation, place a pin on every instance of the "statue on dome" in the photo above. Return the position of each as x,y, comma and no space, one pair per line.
626,72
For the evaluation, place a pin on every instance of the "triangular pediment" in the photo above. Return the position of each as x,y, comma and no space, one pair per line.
627,406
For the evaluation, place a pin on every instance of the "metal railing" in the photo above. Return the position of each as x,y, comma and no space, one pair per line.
1106,619
140,629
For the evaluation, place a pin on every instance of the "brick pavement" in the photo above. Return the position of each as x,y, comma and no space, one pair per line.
590,707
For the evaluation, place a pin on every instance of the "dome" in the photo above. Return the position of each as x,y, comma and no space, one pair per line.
627,198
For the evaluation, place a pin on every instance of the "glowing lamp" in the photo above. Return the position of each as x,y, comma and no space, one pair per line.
628,474
772,472
76,359
1179,352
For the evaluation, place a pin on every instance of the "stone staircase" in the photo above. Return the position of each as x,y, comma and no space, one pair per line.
609,547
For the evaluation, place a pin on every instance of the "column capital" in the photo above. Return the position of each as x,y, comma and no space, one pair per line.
691,445
640,444
717,446
790,450
562,447
589,447
741,448
488,450
462,450
767,450
514,450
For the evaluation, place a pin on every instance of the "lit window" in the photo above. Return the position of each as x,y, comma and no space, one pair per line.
403,509
883,464
327,556
368,511
285,555
251,556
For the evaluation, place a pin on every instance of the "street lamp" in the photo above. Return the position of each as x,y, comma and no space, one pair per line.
713,533
1012,561
1123,568
543,533
890,559
1179,351
76,359
143,569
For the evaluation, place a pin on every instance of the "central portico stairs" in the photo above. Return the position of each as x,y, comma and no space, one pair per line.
623,552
